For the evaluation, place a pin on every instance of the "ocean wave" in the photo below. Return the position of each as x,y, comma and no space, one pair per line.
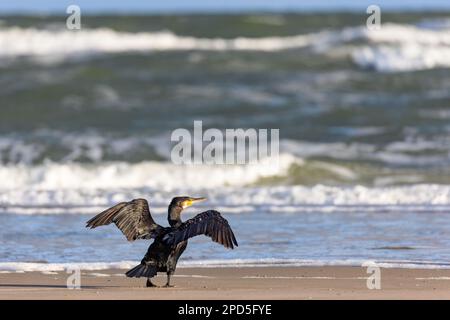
42,146
147,174
404,57
342,196
15,41
264,262
236,200
90,146
393,48
405,48
311,173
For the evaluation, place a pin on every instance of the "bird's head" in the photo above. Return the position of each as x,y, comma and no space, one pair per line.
184,202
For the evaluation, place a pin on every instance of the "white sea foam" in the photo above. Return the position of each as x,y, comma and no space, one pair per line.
51,267
343,196
408,264
404,48
404,57
150,174
395,47
91,184
17,41
237,200
269,262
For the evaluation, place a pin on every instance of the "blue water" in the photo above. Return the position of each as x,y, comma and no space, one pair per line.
320,237
363,118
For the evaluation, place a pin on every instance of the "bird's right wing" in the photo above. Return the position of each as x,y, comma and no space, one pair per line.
209,223
132,218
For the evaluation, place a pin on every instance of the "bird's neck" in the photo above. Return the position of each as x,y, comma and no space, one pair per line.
174,216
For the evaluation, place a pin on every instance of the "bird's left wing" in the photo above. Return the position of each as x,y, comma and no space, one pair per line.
209,223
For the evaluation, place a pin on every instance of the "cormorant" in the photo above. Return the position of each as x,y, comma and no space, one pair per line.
135,221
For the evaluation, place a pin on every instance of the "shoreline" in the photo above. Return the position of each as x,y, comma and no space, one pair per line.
328,282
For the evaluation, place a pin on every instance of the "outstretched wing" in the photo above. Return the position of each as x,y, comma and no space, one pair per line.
209,223
132,218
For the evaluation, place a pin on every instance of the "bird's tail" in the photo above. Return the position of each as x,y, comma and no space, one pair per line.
142,270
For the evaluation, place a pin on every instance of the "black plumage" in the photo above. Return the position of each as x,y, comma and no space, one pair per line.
135,221
209,223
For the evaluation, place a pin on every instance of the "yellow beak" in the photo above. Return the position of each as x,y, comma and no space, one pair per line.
191,201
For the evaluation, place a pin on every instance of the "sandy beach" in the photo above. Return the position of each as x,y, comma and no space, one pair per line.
234,283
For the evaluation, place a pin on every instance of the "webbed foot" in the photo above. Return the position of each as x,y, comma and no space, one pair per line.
150,284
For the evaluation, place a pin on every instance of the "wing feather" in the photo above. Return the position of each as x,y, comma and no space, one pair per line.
132,218
209,223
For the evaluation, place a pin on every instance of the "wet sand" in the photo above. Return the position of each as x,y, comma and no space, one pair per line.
234,283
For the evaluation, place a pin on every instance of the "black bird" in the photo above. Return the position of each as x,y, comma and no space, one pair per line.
135,221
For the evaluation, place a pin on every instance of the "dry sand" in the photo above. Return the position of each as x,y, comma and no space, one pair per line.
235,283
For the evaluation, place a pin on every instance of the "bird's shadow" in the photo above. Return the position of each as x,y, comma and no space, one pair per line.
54,286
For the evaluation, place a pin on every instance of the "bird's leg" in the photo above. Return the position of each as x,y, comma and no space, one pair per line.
149,283
168,280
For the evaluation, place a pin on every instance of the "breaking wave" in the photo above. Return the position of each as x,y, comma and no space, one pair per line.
148,174
405,48
41,42
393,48
235,200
